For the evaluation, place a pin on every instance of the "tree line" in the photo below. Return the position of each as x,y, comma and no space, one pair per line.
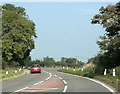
50,62
18,34
109,44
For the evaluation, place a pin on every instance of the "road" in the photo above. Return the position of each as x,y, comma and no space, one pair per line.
52,81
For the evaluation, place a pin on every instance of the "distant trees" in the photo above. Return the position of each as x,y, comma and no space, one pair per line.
109,18
47,61
50,62
71,62
18,33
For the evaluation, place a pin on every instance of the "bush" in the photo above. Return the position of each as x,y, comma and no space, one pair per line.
110,71
14,64
90,75
89,69
117,71
99,70
4,64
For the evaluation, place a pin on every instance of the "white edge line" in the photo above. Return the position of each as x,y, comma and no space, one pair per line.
21,89
111,90
45,90
101,84
65,89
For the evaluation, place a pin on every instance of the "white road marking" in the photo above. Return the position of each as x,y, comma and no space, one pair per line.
111,90
65,82
46,78
35,83
43,88
55,75
65,89
101,84
60,78
21,89
49,76
39,83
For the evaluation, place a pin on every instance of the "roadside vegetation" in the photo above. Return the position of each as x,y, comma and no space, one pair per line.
11,74
114,81
109,56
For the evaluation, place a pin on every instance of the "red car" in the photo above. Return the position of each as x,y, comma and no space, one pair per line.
35,68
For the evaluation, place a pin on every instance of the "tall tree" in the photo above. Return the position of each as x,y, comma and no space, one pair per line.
0,35
109,18
18,33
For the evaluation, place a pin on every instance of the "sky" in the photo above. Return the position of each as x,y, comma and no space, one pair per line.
64,29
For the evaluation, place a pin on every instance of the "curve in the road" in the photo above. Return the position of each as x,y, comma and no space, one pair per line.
82,84
24,81
66,82
49,83
111,90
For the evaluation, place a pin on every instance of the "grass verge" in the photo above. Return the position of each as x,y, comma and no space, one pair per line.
11,74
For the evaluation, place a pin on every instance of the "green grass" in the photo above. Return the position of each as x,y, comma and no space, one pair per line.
11,74
110,77
71,71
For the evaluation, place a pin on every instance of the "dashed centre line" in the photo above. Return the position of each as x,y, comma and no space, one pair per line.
48,84
52,83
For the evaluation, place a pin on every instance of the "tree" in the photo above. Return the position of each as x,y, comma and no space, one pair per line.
71,62
18,33
48,61
109,18
0,35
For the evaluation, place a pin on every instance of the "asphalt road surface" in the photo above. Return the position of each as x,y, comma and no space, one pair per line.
49,80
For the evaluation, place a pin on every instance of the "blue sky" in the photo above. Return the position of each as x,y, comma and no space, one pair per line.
64,28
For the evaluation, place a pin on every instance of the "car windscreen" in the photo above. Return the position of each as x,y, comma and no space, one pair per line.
35,66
